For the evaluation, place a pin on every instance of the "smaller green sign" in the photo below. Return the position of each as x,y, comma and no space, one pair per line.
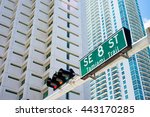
104,52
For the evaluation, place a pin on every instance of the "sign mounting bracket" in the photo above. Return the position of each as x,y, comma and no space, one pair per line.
93,77
125,55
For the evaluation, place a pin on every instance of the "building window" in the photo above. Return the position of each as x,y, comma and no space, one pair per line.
121,64
37,76
123,77
123,73
68,34
22,82
68,24
45,94
14,78
14,66
47,67
50,24
67,96
28,45
49,33
24,69
68,15
124,82
36,90
68,56
126,97
37,63
68,7
126,91
45,81
20,96
122,68
48,54
68,45
26,57
49,44
67,66
12,92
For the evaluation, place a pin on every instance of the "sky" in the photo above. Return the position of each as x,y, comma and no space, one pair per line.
145,11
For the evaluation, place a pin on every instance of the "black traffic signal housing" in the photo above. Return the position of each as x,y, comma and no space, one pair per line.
59,78
51,83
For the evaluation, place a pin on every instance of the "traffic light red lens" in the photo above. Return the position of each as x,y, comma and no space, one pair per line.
55,87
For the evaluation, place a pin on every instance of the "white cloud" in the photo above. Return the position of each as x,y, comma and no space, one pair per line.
146,22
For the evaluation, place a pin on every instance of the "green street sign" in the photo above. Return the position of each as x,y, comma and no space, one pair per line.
105,52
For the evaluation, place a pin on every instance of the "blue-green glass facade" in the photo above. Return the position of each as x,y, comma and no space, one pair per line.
137,83
136,78
123,14
129,80
138,10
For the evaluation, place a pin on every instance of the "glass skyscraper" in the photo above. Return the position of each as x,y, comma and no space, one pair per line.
129,79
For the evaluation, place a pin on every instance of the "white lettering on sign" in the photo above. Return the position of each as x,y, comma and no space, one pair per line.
113,52
112,43
88,60
85,62
100,51
116,39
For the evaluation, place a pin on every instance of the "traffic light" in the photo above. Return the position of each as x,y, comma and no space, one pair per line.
51,84
59,78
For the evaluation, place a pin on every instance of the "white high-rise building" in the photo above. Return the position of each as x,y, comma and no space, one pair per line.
37,38
129,79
